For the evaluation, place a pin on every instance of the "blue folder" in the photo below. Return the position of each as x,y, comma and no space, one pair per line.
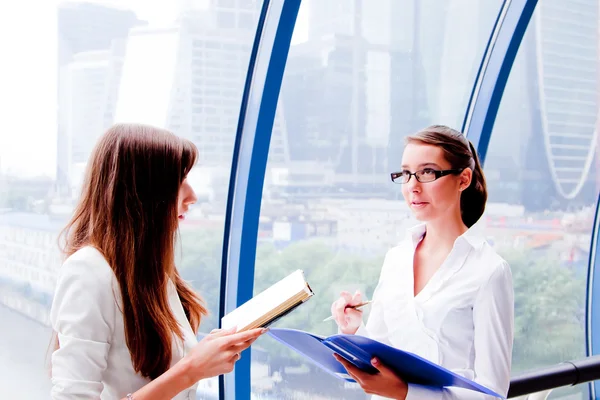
359,350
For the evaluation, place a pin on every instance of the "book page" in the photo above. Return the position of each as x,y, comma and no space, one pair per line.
267,301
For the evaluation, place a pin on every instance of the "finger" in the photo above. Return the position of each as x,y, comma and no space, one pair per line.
239,347
357,298
382,368
337,309
223,332
339,318
351,313
346,296
342,303
241,337
350,368
334,306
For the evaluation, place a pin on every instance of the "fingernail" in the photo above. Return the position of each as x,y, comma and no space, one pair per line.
264,330
374,361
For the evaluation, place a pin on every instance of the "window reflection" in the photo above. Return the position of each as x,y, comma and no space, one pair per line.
544,184
359,77
178,65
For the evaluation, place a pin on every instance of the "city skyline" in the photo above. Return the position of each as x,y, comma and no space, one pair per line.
35,138
359,77
374,87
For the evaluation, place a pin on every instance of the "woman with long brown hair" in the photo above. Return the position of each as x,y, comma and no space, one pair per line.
125,321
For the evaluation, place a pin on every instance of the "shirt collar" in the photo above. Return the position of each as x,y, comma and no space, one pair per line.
470,236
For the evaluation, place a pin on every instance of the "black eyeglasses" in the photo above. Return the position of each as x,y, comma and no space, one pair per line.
423,176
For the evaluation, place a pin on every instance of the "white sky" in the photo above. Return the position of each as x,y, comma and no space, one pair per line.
28,77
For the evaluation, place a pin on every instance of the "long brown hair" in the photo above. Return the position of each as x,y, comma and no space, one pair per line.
128,211
460,153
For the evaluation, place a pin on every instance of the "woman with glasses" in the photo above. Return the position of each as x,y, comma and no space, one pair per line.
443,293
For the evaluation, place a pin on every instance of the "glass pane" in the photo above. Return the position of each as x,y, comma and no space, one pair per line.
543,182
179,65
578,392
361,75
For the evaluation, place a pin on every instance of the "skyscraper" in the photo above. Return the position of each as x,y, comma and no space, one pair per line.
100,32
544,149
566,55
196,88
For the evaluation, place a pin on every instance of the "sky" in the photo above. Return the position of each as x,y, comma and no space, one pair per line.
28,77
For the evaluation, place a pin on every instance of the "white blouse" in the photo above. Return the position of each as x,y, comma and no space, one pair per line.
93,361
462,319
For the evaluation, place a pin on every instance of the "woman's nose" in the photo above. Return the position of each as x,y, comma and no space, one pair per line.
413,184
192,198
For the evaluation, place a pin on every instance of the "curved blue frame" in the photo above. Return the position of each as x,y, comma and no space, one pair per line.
251,150
259,104
497,62
593,299
479,121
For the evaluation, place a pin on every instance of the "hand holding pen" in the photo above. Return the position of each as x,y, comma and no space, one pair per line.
347,311
354,307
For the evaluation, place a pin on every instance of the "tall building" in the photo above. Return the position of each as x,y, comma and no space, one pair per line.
88,93
567,87
548,120
337,100
369,75
91,42
196,89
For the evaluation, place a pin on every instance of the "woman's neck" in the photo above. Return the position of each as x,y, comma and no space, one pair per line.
443,232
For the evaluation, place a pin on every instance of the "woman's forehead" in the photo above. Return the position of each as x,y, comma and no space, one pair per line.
418,154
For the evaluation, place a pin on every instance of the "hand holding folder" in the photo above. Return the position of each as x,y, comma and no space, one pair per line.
359,351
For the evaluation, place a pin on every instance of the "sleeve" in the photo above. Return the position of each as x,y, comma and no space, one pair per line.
493,319
375,328
83,315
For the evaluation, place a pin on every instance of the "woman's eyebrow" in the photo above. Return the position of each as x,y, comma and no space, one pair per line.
423,165
429,164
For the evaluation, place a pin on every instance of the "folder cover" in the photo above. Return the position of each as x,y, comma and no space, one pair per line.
359,350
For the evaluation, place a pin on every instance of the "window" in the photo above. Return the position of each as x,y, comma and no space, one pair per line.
545,202
43,154
335,140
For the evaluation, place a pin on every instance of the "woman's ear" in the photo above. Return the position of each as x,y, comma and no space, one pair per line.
465,178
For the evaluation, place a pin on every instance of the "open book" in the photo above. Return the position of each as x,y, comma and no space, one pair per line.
271,304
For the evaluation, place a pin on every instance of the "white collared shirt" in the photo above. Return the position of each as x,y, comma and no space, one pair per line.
462,319
93,361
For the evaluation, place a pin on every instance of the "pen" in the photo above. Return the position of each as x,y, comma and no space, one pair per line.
356,307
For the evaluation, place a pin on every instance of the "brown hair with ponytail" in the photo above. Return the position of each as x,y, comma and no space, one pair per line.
461,154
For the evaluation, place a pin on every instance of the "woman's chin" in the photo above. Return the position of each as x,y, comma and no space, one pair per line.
422,215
